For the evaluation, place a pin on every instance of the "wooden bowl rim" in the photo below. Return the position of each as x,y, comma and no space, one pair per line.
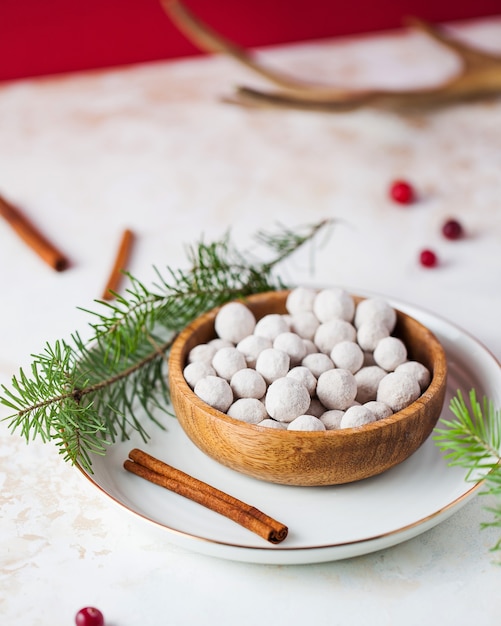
436,384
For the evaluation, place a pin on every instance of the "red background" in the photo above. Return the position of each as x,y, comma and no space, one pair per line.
39,37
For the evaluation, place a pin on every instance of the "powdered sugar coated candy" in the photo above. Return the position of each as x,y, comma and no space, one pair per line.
305,324
247,383
252,346
286,399
197,370
368,379
304,376
418,371
346,364
202,352
333,332
271,325
221,343
307,423
292,345
317,363
398,390
248,410
334,303
234,321
370,333
227,361
390,352
379,409
357,416
272,364
336,389
311,348
375,310
300,299
215,391
332,419
348,355
287,319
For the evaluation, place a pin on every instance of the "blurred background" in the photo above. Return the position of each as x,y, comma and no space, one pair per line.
55,36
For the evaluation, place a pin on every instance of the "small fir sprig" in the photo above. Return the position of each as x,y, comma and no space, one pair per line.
473,440
84,395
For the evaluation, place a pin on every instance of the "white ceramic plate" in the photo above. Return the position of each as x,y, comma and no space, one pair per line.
325,523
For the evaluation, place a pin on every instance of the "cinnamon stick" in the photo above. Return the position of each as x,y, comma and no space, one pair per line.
32,236
119,265
158,472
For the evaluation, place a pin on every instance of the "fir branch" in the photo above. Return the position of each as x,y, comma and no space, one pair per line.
473,440
287,241
85,395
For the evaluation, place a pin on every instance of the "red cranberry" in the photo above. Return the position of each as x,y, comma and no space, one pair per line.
428,258
402,192
89,616
452,229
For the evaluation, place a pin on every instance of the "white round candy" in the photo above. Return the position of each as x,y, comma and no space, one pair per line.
317,363
357,416
287,319
291,344
234,321
348,355
248,410
252,346
305,377
336,389
306,422
305,324
334,303
247,383
221,343
271,325
379,409
311,348
215,391
390,352
333,332
197,370
416,370
398,390
368,379
286,399
272,364
227,361
300,300
375,310
370,333
202,352
332,419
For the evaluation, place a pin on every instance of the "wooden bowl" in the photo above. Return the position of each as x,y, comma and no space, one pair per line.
308,458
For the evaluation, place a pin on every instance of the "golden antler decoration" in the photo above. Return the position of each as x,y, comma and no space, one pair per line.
479,77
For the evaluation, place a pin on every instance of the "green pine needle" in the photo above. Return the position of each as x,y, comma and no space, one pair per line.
473,440
85,395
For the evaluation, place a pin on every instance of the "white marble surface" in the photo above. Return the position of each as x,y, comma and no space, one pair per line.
152,148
